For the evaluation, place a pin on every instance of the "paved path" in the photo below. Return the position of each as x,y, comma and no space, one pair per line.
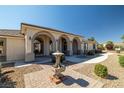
74,79
86,59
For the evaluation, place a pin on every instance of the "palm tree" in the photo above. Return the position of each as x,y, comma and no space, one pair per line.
122,38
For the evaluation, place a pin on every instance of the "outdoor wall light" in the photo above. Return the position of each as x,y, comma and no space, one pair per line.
29,37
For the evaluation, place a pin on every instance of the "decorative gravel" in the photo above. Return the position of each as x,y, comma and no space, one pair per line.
16,75
116,72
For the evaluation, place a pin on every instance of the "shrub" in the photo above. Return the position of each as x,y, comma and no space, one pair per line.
91,52
101,70
121,60
98,51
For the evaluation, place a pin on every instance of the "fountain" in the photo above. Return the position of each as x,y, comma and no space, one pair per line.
58,77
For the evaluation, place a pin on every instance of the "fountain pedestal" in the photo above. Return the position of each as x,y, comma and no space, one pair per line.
59,68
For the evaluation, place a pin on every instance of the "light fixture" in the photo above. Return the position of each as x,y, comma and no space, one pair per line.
29,37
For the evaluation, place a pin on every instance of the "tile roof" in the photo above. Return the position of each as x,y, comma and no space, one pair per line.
51,29
6,32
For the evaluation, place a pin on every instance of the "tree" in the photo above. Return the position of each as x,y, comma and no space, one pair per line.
100,46
122,37
91,39
109,45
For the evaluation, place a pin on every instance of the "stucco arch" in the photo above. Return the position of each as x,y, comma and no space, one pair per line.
43,33
68,43
78,44
47,34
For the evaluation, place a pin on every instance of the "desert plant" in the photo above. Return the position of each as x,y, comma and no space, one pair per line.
121,60
101,70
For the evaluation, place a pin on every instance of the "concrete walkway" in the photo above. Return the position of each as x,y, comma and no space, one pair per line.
88,59
93,60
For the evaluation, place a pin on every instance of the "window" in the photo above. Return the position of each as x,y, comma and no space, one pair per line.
94,46
1,43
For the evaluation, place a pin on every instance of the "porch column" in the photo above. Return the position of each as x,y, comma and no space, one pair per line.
82,48
46,46
57,44
71,49
29,55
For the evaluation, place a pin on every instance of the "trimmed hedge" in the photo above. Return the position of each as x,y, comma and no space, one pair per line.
101,70
121,60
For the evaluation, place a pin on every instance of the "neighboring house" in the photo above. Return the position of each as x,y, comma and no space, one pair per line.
33,41
119,44
116,44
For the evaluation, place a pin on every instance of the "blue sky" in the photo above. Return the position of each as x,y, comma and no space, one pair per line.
102,22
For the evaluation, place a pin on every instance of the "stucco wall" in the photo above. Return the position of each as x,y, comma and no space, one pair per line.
15,49
1,49
90,46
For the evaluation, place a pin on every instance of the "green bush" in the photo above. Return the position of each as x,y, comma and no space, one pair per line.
121,60
101,70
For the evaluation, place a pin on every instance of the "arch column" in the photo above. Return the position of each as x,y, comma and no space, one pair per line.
29,55
57,44
82,47
71,49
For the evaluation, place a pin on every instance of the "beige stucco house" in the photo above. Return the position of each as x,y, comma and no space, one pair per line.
33,41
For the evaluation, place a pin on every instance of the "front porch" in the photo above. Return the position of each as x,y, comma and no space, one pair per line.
69,60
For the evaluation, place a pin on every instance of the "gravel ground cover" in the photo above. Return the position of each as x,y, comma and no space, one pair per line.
115,78
16,75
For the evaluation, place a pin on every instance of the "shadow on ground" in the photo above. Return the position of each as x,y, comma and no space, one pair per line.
69,81
111,77
6,81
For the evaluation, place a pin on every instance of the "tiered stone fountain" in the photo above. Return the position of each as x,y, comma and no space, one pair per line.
58,77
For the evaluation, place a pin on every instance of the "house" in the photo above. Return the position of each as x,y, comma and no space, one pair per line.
119,45
33,41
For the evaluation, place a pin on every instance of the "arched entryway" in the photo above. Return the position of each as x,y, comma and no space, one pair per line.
38,46
2,49
76,46
64,44
43,44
